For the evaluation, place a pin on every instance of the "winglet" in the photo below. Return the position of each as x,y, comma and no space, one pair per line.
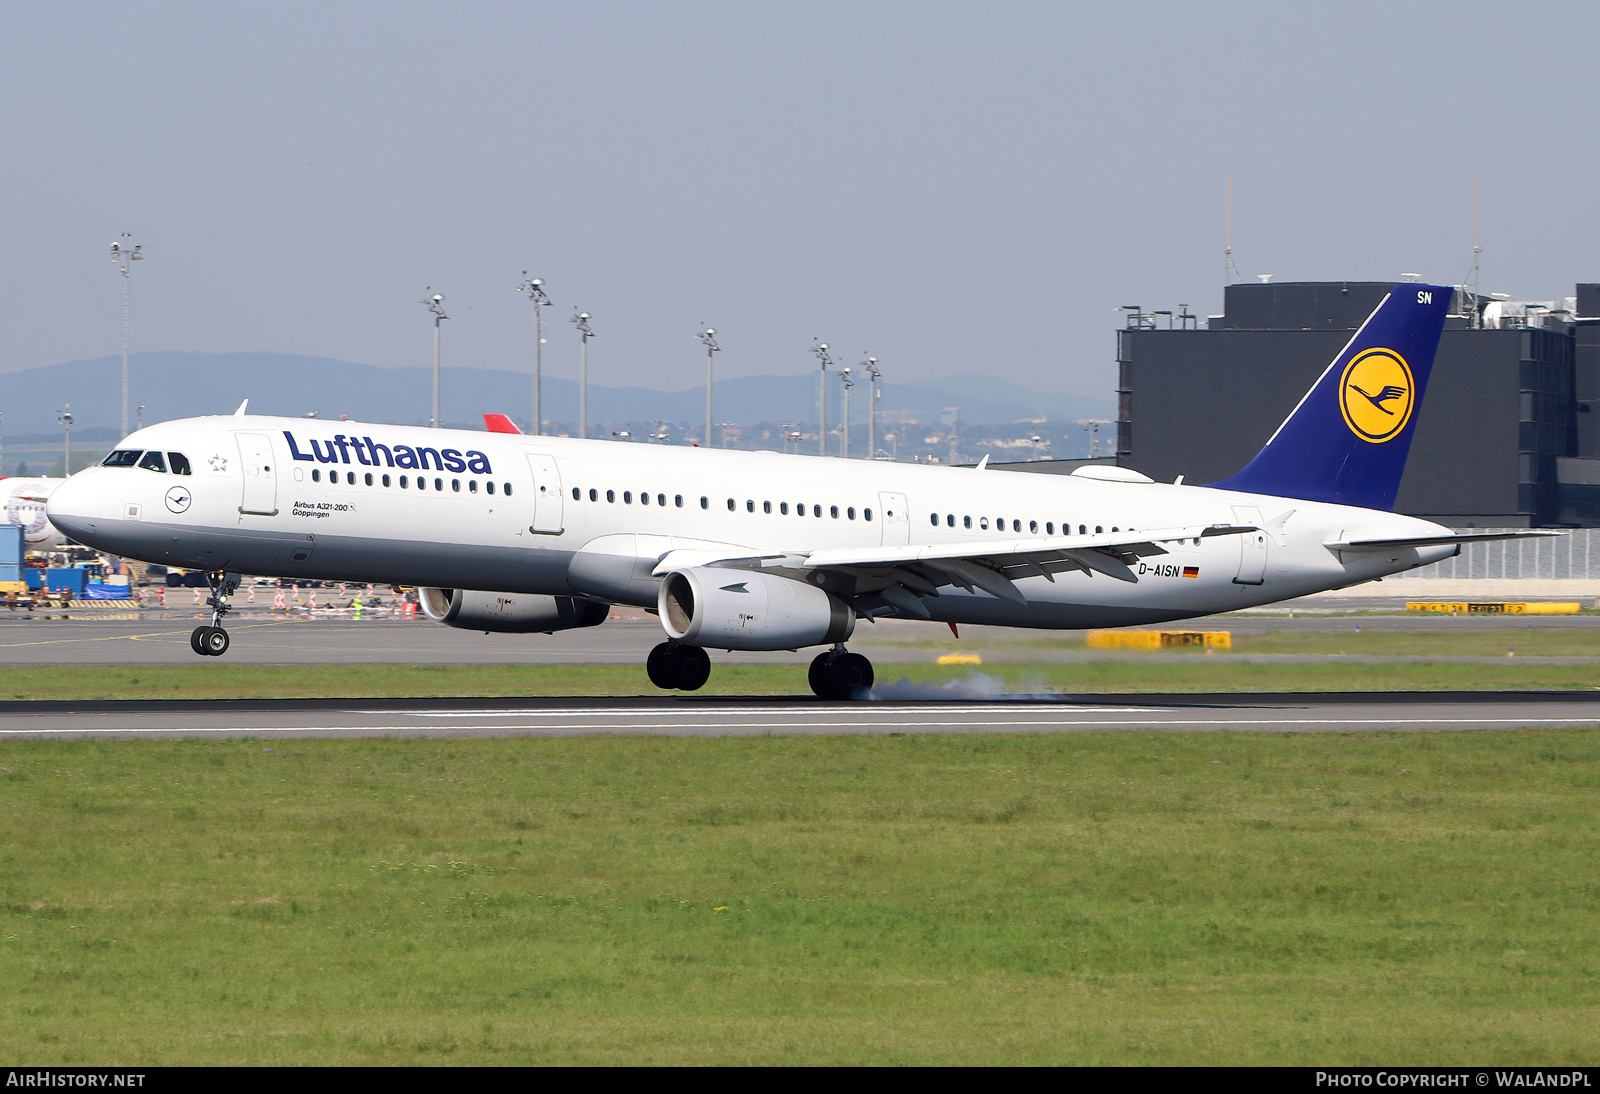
983,463
499,423
240,412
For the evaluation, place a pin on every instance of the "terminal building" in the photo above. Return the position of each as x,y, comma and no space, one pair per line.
1508,434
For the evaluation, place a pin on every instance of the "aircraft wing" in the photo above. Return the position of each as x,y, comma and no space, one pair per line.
1434,541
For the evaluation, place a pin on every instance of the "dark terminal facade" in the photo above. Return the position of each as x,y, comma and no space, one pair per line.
1506,436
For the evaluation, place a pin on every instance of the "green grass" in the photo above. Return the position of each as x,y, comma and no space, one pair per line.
225,680
1086,898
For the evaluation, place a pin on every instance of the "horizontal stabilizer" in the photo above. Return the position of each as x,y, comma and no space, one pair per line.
1433,541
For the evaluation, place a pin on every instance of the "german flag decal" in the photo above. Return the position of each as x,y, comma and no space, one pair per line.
1191,571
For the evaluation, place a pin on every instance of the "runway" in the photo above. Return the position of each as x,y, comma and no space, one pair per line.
718,717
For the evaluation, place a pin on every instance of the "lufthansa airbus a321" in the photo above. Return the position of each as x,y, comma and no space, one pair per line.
760,551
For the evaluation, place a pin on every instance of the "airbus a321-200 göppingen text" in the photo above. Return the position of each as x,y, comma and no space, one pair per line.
502,531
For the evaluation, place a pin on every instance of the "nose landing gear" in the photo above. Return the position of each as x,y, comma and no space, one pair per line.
838,674
212,641
678,666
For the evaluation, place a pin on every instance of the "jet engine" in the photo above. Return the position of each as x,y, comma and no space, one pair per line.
510,613
748,610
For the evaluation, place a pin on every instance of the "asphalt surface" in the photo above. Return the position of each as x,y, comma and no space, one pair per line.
718,717
86,637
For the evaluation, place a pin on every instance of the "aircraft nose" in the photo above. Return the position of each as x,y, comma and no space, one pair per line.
74,506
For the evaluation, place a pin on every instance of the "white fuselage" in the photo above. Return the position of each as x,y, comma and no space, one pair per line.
562,516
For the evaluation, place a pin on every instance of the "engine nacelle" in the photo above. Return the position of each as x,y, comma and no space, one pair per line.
748,610
510,613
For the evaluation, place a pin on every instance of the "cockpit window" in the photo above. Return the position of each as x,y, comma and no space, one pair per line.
122,457
179,462
153,462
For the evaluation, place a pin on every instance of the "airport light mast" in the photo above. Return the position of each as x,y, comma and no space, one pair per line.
581,319
435,304
710,342
844,439
124,256
873,376
821,350
64,417
534,289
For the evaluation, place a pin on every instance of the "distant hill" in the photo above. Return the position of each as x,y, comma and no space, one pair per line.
182,385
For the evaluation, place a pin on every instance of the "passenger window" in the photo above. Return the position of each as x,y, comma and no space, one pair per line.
1083,529
316,476
577,495
677,500
455,485
180,463
368,477
1033,526
950,520
816,510
1114,528
866,514
386,480
644,498
1098,529
422,483
506,488
933,519
783,507
1049,528
766,507
438,484
627,497
983,522
705,502
966,522
611,496
749,506
402,482
731,505
834,510
124,457
594,495
661,499
153,462
472,484
1016,526
851,512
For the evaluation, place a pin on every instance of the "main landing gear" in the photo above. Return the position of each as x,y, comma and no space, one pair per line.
678,666
836,674
840,675
212,641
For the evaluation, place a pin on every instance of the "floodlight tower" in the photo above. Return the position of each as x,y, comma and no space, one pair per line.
123,256
533,288
435,304
64,417
844,440
708,340
873,376
581,320
821,350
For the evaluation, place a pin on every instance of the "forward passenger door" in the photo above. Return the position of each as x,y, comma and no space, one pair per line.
260,480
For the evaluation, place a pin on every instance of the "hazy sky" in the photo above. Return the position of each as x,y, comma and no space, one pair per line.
955,188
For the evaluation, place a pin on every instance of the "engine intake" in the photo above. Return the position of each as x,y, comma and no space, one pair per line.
510,613
749,610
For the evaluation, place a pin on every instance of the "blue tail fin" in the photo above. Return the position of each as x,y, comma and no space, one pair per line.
1347,440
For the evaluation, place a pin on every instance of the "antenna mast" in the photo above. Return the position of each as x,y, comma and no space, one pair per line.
1230,272
1470,284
